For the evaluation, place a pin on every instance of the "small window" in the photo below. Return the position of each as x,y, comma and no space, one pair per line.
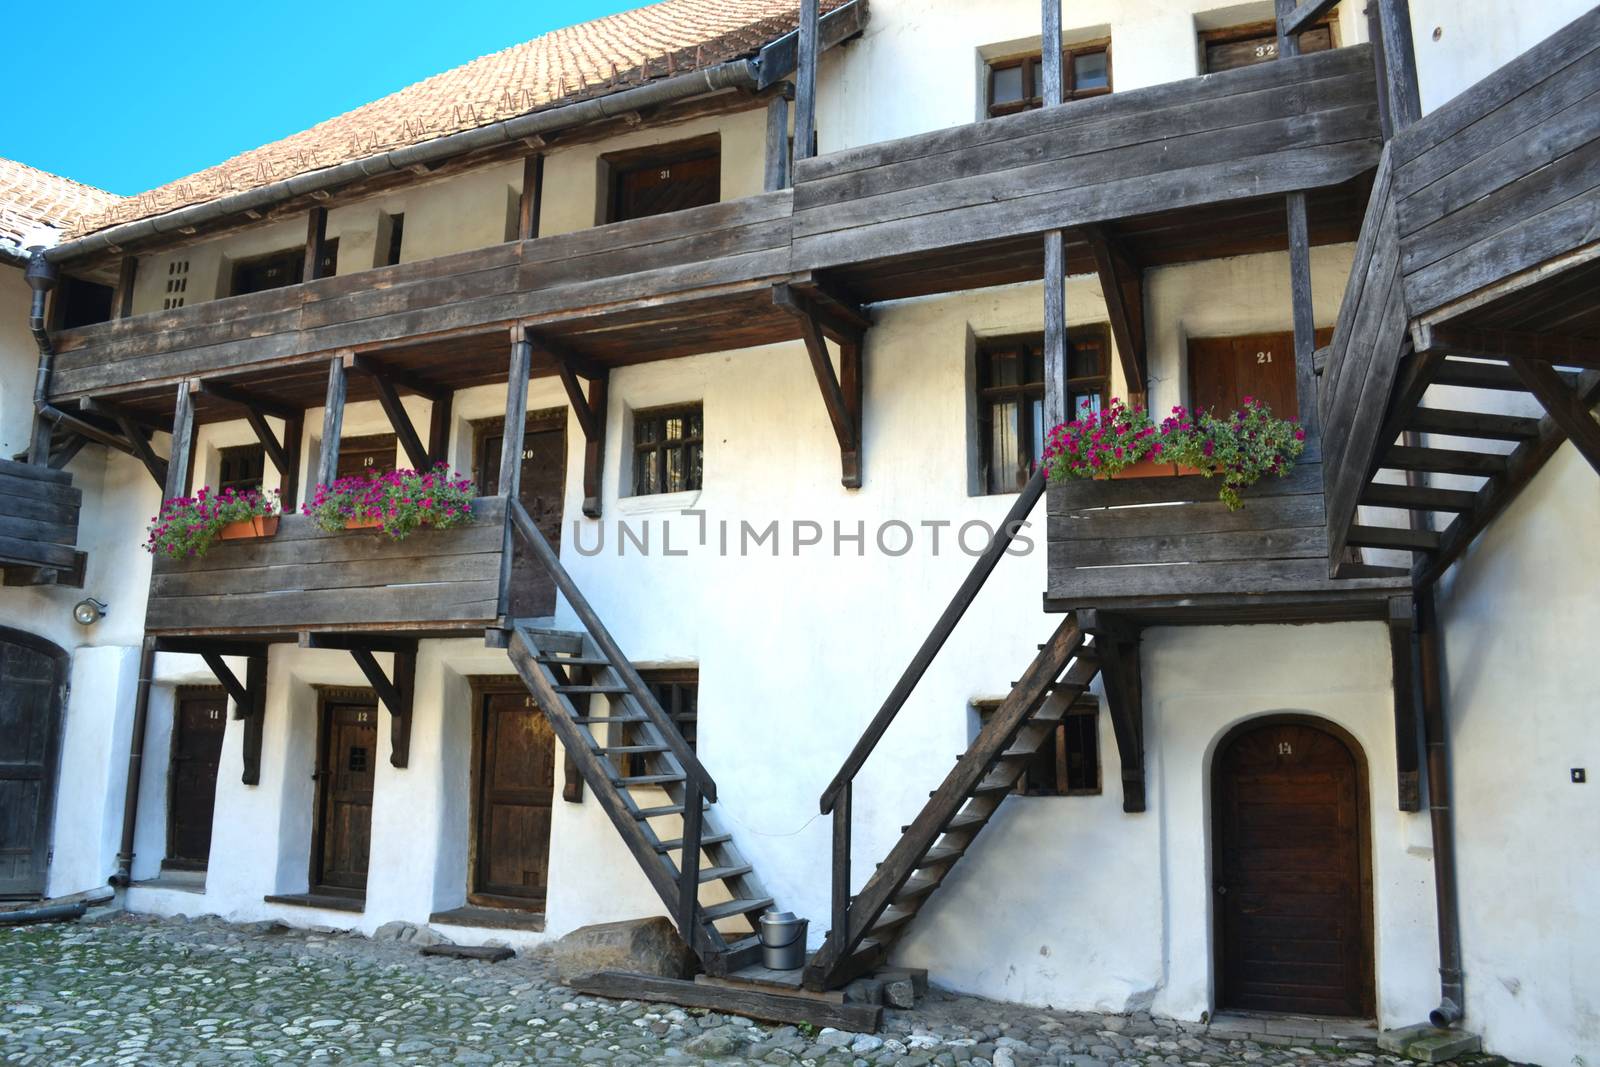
391,233
241,467
1017,84
1067,762
1010,407
668,447
277,269
677,690
81,303
663,178
1245,46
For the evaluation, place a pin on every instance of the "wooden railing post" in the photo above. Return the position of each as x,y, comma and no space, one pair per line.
511,443
333,419
777,172
1055,241
689,862
805,114
182,442
840,930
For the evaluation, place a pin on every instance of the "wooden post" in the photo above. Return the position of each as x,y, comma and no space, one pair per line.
805,117
1402,641
1052,89
333,419
841,867
1400,62
594,448
1305,323
294,429
689,861
255,684
777,176
516,418
1381,68
122,298
1055,241
532,193
182,442
405,685
439,420
316,241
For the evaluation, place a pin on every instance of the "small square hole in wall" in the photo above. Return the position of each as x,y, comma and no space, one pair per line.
177,284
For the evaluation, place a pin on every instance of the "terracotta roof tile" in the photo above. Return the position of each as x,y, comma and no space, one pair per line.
31,198
589,59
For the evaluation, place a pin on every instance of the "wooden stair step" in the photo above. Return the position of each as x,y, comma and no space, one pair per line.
650,779
966,820
552,641
613,750
666,809
717,874
730,908
676,844
601,720
1444,461
916,888
1392,537
892,919
1485,376
940,855
592,689
1417,497
1473,424
573,661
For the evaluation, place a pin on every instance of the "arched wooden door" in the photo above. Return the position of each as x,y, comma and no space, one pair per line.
1291,888
33,683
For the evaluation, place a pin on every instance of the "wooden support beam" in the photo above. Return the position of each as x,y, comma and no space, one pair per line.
255,683
1122,283
396,694
440,417
843,404
389,398
1294,17
1117,647
233,394
139,441
67,452
1566,410
1400,62
513,431
805,118
316,242
529,203
1417,497
1055,330
237,691
1053,85
333,418
199,646
176,482
289,475
777,162
1407,720
1304,311
1511,345
122,295
346,641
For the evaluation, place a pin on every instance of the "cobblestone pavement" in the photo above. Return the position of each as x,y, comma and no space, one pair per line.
136,990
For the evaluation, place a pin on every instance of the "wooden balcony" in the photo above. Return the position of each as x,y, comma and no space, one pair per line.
38,517
1166,547
305,579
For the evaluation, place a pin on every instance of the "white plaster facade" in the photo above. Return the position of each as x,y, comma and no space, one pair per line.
1098,909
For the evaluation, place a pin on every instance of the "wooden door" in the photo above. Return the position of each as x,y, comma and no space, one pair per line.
344,781
1291,892
33,678
367,455
1225,370
542,486
198,723
516,775
656,187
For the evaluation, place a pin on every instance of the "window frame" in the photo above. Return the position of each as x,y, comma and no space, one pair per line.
615,166
680,686
1030,62
661,445
1086,707
1250,31
294,257
987,397
259,457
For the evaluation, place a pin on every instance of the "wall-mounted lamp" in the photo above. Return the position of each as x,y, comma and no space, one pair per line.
88,611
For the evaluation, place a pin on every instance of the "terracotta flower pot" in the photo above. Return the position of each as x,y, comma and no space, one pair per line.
1182,470
1147,468
244,529
362,523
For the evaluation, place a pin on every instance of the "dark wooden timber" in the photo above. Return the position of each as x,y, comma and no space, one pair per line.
284,454
255,680
1564,407
957,810
776,174
139,438
752,1003
1559,348
1116,646
841,392
1407,720
1055,329
177,481
333,418
1399,62
316,242
305,578
530,201
1294,17
395,693
237,691
805,113
122,295
389,398
38,516
1122,283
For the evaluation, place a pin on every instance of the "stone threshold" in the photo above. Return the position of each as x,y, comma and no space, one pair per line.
176,881
490,918
1288,1029
329,901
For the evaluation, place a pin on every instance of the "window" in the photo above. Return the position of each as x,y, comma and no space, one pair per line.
663,178
1245,46
1017,84
391,232
277,269
1067,762
1010,377
677,690
81,303
241,467
667,450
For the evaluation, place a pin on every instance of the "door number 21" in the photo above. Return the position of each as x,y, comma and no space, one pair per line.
1264,357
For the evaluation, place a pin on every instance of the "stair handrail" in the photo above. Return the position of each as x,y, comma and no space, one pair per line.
699,782
942,629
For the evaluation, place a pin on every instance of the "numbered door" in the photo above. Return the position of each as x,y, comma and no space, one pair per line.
198,722
541,487
367,455
1291,895
515,779
344,786
1225,370
33,680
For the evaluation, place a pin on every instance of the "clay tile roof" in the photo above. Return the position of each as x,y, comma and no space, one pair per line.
586,60
31,198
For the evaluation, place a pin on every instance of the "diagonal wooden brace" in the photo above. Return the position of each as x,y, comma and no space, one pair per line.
842,394
389,398
1122,283
1117,645
396,694
589,409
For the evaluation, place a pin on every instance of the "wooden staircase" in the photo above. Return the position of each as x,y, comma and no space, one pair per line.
957,811
642,773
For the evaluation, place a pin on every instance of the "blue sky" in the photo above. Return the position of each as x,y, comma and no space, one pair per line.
141,96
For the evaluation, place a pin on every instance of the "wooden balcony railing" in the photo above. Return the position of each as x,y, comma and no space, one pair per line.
38,517
305,578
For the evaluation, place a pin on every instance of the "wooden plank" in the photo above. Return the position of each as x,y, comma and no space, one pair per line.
35,553
1555,348
29,529
776,174
354,573
1443,461
1306,542
256,714
316,242
34,472
1254,578
1208,516
529,201
177,481
1564,408
1294,17
1400,62
805,115
333,419
1393,537
1416,497
1304,311
755,1004
461,605
1050,52
1303,478
1407,721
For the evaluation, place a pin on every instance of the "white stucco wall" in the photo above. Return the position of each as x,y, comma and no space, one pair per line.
1459,42
1522,691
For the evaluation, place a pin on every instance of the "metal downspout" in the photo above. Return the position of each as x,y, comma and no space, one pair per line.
130,799
1452,998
